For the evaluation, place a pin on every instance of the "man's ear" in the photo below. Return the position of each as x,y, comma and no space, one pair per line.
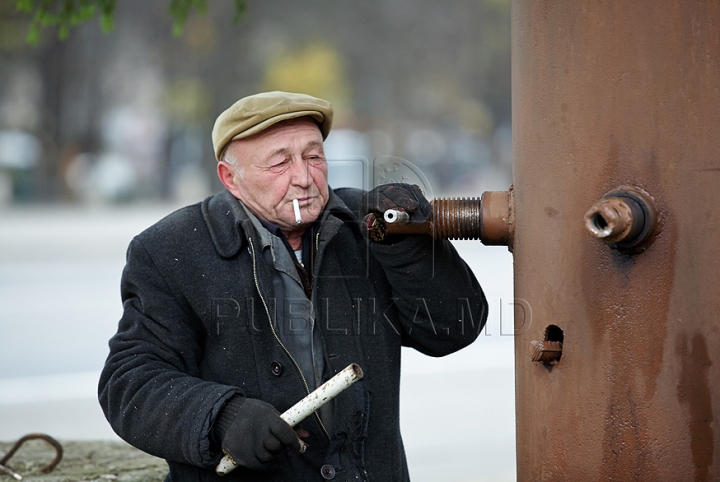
226,173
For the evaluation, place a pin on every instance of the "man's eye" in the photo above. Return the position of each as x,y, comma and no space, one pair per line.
280,166
315,159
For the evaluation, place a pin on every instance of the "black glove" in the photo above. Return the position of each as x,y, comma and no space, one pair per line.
401,197
253,434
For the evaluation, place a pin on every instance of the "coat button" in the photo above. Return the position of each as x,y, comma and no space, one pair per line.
327,472
276,368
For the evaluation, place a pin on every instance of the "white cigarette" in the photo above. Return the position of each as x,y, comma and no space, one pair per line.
296,207
300,411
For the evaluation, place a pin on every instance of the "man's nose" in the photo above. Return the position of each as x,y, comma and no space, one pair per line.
300,173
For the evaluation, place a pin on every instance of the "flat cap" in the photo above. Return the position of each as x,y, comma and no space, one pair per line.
255,113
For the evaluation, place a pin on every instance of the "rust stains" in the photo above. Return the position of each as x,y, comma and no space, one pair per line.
693,390
628,298
609,94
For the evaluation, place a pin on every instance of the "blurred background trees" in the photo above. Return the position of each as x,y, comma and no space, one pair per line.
127,115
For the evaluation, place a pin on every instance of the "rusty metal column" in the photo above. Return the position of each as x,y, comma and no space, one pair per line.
618,351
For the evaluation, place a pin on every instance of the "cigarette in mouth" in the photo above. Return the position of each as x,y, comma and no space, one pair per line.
296,207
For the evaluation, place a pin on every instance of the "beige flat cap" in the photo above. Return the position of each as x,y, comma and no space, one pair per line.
256,113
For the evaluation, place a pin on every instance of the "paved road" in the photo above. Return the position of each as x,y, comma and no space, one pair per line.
59,303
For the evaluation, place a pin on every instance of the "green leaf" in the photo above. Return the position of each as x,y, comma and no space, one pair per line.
201,6
33,36
68,13
240,10
107,18
107,21
179,11
177,29
25,5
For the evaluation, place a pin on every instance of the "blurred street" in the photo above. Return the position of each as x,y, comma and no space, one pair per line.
59,303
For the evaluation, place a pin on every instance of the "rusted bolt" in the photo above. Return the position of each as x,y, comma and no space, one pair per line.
625,218
548,351
489,219
498,220
545,351
457,218
615,219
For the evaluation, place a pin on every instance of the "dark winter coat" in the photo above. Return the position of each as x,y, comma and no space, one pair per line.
197,330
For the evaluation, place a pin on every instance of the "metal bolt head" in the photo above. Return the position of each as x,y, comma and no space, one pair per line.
545,351
610,220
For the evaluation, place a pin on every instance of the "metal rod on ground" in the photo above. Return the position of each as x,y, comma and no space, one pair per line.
301,410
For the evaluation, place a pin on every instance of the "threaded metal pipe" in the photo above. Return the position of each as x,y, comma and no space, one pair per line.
489,219
457,218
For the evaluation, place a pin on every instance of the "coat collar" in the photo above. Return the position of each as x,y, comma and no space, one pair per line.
230,226
227,222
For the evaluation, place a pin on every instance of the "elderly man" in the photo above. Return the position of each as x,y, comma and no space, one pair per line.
237,307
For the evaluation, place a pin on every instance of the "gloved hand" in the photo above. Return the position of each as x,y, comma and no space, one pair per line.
253,433
398,196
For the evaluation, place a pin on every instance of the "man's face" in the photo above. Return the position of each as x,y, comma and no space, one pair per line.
282,163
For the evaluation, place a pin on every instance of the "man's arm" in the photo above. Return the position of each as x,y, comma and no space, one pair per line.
149,389
441,306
